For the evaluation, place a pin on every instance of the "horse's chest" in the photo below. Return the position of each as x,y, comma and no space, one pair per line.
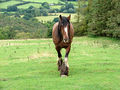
63,45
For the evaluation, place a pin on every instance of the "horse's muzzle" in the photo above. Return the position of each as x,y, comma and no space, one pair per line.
65,40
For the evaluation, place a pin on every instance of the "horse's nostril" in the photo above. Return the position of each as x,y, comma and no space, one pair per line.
66,40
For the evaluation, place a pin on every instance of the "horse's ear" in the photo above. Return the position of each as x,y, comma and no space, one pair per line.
60,17
69,17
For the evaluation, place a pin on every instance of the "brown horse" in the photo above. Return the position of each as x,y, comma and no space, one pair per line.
62,35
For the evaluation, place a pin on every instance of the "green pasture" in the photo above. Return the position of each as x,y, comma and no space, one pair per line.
54,15
9,3
73,2
49,1
30,64
56,6
45,18
28,5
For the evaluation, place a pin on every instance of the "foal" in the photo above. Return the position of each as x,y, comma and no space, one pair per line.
62,35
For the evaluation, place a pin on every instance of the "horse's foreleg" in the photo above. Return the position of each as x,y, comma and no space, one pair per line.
65,65
66,56
59,58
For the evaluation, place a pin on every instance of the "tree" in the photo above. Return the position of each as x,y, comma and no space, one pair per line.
78,12
71,10
55,19
69,7
80,25
49,25
63,0
4,32
46,5
102,18
27,16
44,12
30,7
12,8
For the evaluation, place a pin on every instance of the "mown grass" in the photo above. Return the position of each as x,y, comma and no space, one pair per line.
31,65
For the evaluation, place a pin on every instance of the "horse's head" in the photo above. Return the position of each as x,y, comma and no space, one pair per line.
65,27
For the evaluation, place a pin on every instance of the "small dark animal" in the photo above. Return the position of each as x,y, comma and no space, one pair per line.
62,35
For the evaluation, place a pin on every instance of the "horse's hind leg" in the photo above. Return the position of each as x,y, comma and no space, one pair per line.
59,58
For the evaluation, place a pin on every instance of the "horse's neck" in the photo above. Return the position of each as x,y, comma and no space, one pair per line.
59,34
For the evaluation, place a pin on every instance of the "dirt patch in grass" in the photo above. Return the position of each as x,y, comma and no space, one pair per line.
38,55
3,79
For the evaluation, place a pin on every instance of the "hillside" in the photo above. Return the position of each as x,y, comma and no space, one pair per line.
12,28
36,3
41,7
45,12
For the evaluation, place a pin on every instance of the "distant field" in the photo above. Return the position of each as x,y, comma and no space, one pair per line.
28,5
9,3
13,2
73,2
31,65
45,18
56,6
49,1
37,6
54,15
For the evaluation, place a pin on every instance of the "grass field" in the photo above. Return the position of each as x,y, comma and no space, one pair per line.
54,15
13,2
49,1
9,3
31,65
28,5
56,6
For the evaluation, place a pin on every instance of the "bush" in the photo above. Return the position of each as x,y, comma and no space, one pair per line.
71,10
27,16
55,19
12,8
68,8
80,28
46,5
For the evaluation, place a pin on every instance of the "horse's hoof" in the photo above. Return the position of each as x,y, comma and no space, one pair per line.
58,68
64,70
63,75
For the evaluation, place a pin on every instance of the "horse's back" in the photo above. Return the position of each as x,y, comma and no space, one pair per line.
55,33
55,27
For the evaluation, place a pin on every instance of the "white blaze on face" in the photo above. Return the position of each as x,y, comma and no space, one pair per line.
66,30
